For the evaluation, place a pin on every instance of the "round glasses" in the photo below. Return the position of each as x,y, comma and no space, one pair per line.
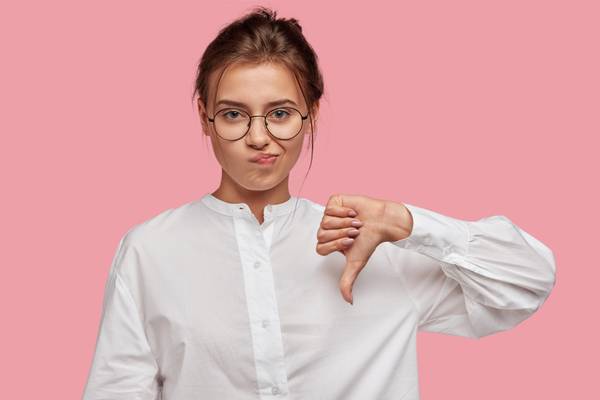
283,123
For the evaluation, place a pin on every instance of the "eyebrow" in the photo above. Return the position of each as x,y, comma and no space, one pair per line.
269,104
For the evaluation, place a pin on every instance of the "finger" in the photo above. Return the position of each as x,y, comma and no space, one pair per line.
340,211
329,247
330,222
348,278
327,235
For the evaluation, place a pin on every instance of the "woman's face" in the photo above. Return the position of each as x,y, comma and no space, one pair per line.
255,86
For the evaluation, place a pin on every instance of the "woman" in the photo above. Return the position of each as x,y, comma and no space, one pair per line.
235,295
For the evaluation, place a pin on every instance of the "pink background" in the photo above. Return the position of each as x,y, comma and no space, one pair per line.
469,108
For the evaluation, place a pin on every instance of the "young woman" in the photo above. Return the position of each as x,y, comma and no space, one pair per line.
250,293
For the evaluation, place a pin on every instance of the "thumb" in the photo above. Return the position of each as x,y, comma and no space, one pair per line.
348,278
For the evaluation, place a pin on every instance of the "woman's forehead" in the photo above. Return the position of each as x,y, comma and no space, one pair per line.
257,84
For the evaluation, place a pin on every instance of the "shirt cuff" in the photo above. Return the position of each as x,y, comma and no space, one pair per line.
435,235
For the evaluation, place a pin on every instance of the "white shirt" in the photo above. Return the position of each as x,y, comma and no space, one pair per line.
203,302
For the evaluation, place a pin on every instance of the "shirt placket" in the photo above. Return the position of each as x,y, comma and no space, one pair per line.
253,242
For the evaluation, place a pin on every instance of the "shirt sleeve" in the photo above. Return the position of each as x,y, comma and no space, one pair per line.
472,278
123,366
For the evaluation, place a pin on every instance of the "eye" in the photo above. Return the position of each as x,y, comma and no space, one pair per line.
232,114
280,113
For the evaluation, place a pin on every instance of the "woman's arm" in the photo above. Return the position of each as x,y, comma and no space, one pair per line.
470,278
123,366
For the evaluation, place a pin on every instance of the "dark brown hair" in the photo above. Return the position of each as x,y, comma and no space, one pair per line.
257,37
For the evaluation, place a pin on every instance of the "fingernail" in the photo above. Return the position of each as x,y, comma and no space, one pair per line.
356,223
352,213
347,241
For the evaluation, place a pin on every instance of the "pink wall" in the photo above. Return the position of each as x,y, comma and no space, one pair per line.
469,108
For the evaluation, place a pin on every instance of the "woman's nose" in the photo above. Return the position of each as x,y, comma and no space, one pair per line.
258,131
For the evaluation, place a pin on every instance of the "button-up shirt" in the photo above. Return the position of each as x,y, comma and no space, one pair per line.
202,301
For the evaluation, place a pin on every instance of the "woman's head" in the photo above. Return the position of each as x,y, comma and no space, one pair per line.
254,61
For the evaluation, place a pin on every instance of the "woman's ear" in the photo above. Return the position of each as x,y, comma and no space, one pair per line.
315,114
203,116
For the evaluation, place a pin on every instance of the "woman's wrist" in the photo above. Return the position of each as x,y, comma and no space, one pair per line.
398,222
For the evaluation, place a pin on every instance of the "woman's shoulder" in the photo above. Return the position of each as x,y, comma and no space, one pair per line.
166,223
314,206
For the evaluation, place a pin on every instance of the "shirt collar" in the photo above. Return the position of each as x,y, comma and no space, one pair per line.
242,209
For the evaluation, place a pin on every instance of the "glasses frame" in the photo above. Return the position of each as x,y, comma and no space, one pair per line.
254,116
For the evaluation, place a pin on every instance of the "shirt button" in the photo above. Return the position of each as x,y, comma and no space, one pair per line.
265,323
257,264
275,390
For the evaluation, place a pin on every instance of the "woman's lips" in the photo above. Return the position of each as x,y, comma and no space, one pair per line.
266,160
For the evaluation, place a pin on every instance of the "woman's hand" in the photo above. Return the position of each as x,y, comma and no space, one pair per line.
379,221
